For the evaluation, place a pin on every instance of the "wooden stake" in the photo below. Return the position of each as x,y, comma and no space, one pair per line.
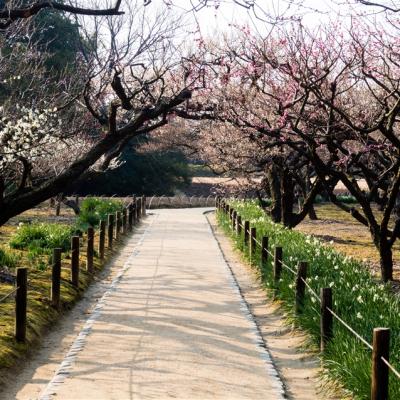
239,225
102,238
130,218
124,221
380,371
55,278
90,250
300,286
110,230
75,261
21,304
264,250
246,232
234,214
144,206
277,266
118,221
253,244
326,317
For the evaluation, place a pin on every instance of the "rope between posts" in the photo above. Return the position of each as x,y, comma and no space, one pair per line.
345,324
283,264
288,268
258,242
8,295
269,252
390,366
46,271
312,291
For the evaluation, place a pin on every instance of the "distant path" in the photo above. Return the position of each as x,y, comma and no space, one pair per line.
172,325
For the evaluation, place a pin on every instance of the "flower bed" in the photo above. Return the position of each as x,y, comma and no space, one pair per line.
361,301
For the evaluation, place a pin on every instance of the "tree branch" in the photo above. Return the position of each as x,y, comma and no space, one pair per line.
13,14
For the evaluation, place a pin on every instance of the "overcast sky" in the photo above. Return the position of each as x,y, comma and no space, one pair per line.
314,12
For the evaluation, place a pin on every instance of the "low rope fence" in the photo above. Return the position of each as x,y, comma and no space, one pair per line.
117,225
180,201
381,336
152,202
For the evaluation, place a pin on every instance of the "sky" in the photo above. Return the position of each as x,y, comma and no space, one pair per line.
314,12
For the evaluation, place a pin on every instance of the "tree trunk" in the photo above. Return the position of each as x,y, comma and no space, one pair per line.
312,214
287,198
275,190
386,260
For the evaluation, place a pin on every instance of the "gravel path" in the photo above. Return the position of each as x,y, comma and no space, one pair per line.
172,325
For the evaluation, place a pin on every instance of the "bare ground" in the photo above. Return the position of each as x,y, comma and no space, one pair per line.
348,236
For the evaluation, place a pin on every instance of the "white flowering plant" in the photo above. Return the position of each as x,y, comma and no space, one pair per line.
362,302
27,136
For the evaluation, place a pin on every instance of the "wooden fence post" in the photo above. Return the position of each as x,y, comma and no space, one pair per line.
118,225
130,217
246,232
326,317
138,208
75,261
264,250
277,266
21,304
110,232
144,206
90,250
133,203
102,238
124,221
55,278
253,244
380,371
58,208
234,220
300,285
134,219
239,225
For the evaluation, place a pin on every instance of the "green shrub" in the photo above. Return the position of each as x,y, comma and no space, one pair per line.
42,238
93,210
347,198
8,259
362,302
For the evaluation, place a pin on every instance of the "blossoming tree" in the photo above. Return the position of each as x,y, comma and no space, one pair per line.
132,79
328,98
